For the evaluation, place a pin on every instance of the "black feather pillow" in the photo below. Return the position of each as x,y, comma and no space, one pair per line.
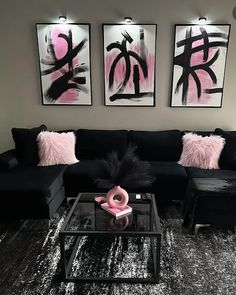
128,172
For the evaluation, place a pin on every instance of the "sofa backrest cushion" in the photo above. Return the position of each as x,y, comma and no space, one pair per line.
202,133
157,145
228,155
96,144
26,145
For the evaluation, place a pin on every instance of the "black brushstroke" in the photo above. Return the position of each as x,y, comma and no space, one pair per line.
130,96
79,80
136,79
142,63
127,36
197,82
199,37
59,86
184,59
214,90
70,48
206,43
112,70
80,69
114,45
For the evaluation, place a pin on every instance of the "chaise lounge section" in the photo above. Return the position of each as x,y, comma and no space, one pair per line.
31,192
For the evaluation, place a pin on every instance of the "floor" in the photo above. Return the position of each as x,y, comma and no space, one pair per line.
200,264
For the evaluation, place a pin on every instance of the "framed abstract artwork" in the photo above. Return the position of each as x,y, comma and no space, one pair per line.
199,61
64,59
129,64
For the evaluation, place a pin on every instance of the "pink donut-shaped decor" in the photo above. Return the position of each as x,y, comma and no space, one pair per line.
118,225
114,203
99,199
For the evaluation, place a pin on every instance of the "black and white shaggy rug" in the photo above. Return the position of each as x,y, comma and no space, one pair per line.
201,264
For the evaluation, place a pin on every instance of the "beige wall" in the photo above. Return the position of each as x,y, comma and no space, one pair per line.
20,98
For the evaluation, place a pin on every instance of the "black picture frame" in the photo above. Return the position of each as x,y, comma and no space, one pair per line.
84,68
223,70
153,104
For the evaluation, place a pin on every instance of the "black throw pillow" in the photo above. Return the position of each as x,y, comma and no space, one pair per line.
228,155
26,145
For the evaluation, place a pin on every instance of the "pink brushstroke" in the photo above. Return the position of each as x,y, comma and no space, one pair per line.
146,85
205,80
60,43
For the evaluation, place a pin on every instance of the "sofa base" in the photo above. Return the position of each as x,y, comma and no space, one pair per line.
25,209
210,201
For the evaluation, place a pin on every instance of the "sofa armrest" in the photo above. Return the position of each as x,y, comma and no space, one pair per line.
8,160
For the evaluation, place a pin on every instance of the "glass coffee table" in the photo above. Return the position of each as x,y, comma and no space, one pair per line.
89,234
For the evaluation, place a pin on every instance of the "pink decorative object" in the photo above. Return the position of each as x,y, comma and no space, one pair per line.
201,152
114,203
118,224
56,148
99,199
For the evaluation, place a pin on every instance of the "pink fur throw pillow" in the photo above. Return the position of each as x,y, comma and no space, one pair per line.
56,148
201,152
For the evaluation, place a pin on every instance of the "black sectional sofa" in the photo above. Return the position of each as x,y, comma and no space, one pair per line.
30,191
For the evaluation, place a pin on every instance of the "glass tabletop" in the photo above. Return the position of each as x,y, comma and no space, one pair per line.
87,216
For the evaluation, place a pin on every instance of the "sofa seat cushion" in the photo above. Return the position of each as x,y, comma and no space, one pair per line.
34,183
157,145
170,177
80,177
96,144
214,173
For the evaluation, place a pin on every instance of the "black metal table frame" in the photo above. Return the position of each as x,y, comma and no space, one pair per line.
66,267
